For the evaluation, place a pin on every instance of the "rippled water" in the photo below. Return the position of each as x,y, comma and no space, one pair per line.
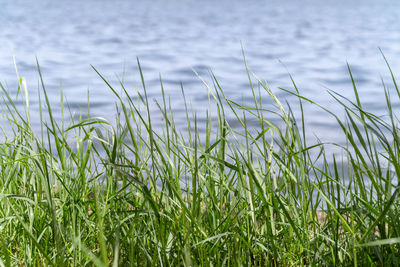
312,40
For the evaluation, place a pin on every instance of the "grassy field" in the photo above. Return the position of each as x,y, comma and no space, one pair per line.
93,192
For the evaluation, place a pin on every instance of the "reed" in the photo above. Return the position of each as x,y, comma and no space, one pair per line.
95,192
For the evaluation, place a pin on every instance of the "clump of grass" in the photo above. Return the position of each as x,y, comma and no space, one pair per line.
94,192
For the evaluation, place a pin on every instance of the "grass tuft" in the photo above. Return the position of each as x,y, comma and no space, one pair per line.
95,192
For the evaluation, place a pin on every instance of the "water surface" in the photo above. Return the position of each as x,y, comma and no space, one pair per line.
313,40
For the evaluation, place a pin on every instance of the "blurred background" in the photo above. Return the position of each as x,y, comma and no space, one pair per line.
311,40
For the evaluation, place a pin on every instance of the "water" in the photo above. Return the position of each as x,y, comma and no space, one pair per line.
312,40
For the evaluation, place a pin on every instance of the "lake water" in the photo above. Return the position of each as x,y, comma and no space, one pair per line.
312,40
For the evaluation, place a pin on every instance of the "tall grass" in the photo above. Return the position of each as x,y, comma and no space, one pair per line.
93,192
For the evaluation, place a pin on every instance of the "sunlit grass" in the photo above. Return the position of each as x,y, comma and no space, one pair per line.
98,192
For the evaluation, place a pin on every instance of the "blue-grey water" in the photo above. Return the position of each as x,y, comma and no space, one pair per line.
312,40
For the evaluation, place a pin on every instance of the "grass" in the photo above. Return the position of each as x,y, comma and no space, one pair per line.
93,192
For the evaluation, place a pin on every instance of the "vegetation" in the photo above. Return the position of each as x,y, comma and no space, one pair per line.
93,192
